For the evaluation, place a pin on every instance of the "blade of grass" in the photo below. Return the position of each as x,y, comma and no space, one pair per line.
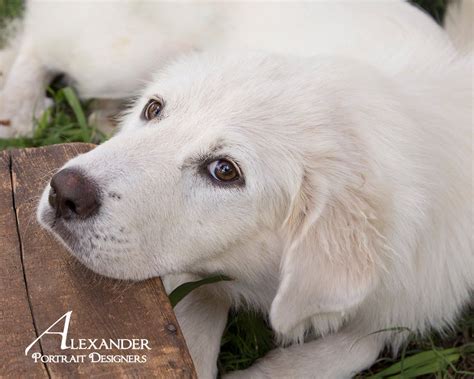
75,105
432,368
184,289
418,361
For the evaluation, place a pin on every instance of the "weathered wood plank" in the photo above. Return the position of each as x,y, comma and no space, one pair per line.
101,308
16,323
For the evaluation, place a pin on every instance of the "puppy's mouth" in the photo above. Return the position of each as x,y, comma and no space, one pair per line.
103,248
80,245
62,232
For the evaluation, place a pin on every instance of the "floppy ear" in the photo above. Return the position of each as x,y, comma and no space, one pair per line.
330,261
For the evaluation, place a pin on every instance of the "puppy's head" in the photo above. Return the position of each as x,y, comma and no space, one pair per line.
221,149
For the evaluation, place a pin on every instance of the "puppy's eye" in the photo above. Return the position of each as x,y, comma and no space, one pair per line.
152,109
224,170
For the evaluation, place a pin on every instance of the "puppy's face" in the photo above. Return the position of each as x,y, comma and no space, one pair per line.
211,155
192,173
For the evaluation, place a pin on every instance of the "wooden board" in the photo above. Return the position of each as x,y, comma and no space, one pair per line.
16,323
101,308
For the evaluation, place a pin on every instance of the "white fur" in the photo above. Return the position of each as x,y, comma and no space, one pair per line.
355,216
108,49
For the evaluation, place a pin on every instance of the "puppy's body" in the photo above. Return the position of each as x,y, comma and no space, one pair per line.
355,214
355,210
109,49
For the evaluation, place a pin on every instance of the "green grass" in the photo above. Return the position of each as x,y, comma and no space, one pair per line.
64,122
248,336
448,355
9,9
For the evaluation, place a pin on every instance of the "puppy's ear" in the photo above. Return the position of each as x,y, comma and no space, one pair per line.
330,261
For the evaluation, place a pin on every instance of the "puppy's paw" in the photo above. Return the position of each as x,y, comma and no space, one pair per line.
17,119
17,126
12,127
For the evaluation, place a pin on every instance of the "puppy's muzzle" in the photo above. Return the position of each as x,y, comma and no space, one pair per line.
72,195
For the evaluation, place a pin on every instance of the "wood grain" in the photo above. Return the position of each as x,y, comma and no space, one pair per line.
101,308
16,323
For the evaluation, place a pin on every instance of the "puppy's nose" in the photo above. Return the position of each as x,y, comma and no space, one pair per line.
73,194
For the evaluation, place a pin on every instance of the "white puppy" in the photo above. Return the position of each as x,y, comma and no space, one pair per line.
337,193
108,49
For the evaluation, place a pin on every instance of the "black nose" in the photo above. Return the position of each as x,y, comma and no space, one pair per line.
73,194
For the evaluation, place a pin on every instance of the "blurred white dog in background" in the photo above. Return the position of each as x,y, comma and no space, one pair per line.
109,49
335,190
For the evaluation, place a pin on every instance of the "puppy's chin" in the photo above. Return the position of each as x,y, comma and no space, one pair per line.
94,259
91,256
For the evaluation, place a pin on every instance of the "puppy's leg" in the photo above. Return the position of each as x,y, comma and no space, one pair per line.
336,356
7,57
202,318
22,97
